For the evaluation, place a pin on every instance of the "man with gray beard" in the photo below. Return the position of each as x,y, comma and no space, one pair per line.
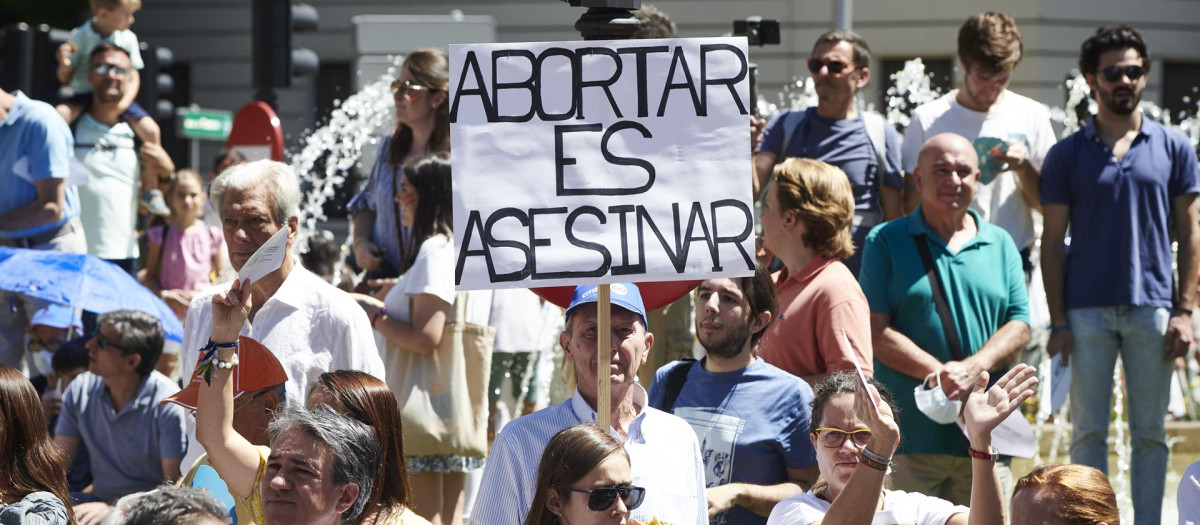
752,419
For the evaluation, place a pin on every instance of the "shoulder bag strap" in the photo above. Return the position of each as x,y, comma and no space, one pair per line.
675,380
875,126
791,125
939,298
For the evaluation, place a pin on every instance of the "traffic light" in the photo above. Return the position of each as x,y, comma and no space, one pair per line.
29,62
275,60
157,83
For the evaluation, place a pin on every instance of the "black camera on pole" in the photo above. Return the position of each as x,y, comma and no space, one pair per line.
276,61
157,82
758,32
607,19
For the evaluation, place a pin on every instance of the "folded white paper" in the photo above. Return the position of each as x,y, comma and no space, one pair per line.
268,258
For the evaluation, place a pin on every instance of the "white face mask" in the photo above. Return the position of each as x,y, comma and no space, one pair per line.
933,403
40,361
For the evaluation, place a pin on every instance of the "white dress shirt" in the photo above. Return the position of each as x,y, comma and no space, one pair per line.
311,327
663,452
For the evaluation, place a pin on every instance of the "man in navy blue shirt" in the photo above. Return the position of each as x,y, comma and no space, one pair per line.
860,143
1122,183
752,418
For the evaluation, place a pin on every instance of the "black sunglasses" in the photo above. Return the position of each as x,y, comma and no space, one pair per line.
601,498
103,342
835,66
1114,73
104,69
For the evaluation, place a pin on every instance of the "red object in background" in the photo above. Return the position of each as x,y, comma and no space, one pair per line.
256,132
654,295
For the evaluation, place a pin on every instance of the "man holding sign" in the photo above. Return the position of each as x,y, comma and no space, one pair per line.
309,325
622,160
663,451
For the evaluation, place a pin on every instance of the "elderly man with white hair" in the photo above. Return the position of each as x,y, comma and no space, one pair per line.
311,326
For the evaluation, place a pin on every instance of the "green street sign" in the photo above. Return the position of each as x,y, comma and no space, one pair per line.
203,124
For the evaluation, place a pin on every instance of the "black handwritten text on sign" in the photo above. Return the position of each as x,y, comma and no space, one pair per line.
597,162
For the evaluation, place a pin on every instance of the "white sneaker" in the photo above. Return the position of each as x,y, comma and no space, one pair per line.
155,202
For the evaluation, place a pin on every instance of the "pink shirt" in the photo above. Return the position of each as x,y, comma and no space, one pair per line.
815,305
186,260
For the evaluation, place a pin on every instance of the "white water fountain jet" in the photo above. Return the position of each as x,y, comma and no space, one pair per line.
1120,443
325,154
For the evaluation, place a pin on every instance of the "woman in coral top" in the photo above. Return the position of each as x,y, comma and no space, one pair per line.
806,219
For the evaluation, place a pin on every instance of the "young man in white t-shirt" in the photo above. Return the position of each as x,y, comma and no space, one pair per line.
1012,135
1013,130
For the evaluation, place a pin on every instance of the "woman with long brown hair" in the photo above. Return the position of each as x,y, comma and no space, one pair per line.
410,322
584,479
33,476
367,399
422,127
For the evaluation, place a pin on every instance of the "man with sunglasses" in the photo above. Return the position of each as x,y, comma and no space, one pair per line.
751,418
1123,184
663,451
134,443
836,131
108,147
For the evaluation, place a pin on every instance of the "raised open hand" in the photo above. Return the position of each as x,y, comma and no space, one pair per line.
986,407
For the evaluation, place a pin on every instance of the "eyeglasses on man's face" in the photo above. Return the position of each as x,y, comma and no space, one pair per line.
834,66
104,69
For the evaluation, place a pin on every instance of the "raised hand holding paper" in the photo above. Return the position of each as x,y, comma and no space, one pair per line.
862,378
268,258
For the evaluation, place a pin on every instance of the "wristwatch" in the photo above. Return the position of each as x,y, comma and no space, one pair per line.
990,455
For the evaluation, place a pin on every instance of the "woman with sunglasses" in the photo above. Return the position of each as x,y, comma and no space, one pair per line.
422,127
410,322
584,479
855,434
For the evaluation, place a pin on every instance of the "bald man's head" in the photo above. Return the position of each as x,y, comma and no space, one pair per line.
947,174
947,142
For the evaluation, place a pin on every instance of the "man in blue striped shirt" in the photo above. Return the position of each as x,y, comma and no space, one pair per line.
662,448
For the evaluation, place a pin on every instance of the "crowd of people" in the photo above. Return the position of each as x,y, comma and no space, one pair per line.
856,377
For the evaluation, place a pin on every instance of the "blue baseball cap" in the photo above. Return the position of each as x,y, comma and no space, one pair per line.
57,316
625,295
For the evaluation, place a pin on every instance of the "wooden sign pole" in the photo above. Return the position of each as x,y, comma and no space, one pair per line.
603,358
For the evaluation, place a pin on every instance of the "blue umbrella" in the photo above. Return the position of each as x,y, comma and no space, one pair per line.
82,281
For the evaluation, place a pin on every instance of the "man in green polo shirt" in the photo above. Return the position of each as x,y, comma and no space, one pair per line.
981,283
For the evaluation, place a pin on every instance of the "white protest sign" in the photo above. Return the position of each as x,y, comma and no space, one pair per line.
600,162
